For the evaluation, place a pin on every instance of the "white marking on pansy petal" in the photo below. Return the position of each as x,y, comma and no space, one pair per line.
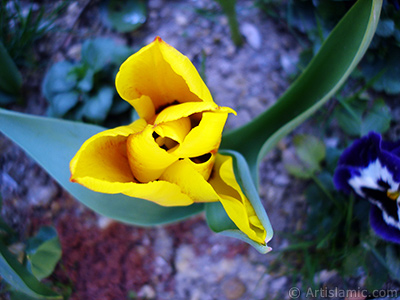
369,178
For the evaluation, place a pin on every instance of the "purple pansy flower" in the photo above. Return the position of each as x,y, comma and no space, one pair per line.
370,167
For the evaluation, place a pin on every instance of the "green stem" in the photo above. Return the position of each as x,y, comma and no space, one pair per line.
229,9
325,191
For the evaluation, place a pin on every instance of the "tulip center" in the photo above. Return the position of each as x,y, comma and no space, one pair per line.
162,107
165,143
201,159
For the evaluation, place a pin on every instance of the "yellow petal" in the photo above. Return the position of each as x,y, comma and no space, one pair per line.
162,73
178,111
235,203
144,107
146,158
161,192
190,181
176,130
203,164
203,138
104,156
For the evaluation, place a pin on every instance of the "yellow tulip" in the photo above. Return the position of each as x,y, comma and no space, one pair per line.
168,156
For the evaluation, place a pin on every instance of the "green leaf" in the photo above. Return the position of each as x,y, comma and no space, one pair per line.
19,278
336,59
98,53
53,143
43,252
86,83
218,220
96,108
378,118
61,103
10,77
385,27
353,120
389,81
124,16
393,261
7,98
59,79
310,153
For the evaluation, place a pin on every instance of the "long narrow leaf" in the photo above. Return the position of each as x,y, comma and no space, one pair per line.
53,143
10,77
328,70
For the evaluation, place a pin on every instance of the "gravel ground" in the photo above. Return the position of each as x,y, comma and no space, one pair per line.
108,260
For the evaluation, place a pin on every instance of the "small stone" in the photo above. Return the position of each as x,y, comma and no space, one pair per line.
104,222
181,20
41,194
147,292
74,52
324,276
288,63
233,288
252,35
278,284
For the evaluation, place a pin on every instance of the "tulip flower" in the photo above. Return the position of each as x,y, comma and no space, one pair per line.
170,155
370,168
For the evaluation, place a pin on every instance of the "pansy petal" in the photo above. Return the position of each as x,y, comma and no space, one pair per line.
146,158
176,130
203,138
385,231
104,156
235,203
190,181
151,71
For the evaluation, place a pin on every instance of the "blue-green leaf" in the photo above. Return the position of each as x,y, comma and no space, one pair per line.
59,79
61,103
53,143
43,252
96,108
124,16
219,221
99,52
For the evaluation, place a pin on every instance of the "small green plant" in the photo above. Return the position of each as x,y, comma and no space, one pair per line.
337,235
84,90
18,32
20,29
23,264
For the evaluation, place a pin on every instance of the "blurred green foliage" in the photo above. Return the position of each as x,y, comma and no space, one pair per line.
21,27
336,235
85,90
123,15
23,264
315,19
